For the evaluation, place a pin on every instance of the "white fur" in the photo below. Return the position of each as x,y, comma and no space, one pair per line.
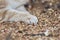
21,13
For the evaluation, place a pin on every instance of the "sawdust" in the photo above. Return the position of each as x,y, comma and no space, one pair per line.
48,14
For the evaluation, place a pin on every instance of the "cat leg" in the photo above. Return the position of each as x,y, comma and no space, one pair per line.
22,8
14,15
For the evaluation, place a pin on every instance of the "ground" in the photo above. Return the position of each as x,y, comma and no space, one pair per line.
48,27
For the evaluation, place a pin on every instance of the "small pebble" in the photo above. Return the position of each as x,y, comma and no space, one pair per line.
47,7
20,32
58,5
46,33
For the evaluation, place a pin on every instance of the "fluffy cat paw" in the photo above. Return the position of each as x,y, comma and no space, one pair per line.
26,18
31,20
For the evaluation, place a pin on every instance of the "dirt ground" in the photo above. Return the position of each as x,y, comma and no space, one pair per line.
48,27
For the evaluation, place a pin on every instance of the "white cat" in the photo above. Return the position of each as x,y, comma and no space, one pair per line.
14,10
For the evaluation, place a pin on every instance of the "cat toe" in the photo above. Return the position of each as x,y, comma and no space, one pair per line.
32,20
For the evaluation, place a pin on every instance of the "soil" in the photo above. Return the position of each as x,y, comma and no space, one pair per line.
48,27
